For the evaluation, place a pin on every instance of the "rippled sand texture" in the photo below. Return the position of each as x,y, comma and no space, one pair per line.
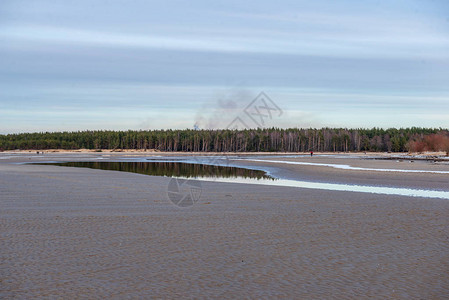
68,232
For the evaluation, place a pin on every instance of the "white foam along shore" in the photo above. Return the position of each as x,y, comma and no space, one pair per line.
335,187
346,167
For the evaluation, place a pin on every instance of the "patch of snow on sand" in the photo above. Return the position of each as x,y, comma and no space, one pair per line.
348,167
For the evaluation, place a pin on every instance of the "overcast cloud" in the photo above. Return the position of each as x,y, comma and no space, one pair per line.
74,65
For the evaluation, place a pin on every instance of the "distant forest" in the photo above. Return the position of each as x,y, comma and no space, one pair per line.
249,140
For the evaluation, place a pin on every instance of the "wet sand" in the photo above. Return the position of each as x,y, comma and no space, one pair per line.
72,232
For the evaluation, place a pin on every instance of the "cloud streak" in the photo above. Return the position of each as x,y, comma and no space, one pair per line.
391,45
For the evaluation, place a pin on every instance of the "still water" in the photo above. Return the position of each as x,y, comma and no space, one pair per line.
226,174
172,169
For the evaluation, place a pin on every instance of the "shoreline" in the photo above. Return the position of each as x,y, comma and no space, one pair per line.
237,240
345,169
153,151
117,233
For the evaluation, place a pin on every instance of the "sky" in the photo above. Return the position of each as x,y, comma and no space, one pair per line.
97,65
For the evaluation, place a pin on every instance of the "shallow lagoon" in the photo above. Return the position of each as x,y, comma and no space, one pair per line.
227,174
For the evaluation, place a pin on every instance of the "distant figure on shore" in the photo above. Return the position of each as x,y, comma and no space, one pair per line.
311,153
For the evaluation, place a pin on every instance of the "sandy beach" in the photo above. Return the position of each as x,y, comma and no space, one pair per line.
86,233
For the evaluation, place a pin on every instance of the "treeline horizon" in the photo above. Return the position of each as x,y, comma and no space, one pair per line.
246,140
